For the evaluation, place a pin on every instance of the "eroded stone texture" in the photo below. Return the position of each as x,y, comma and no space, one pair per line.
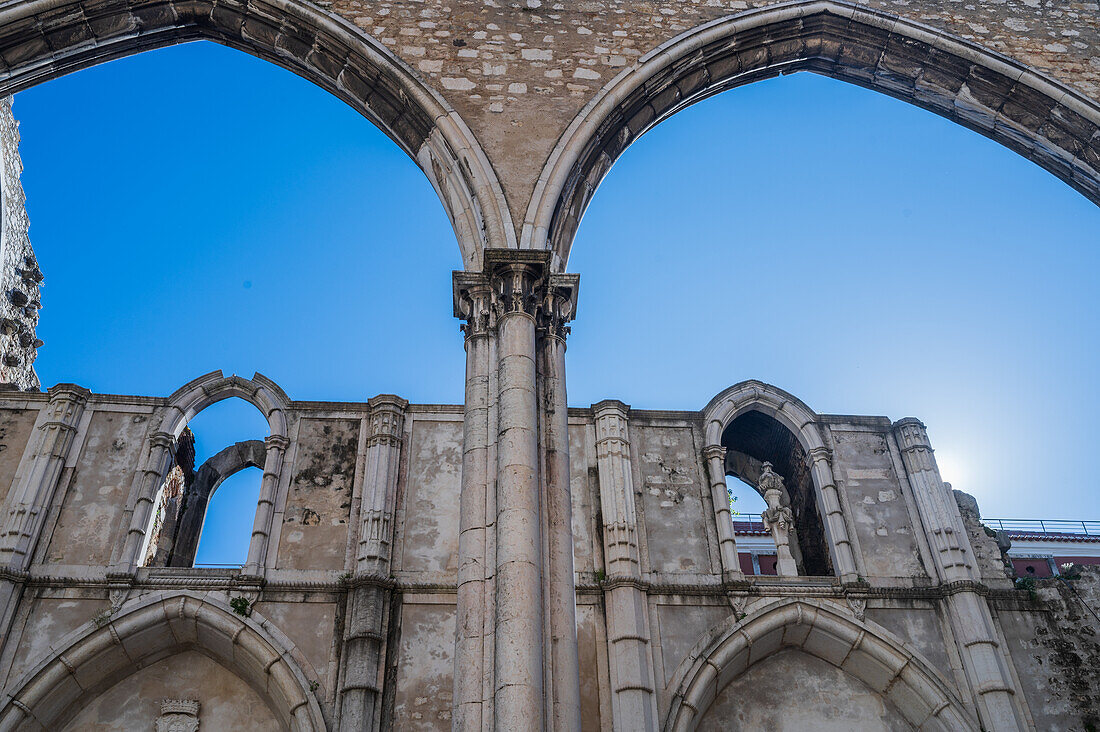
879,507
430,542
672,495
90,517
318,507
656,615
797,692
16,426
135,703
20,277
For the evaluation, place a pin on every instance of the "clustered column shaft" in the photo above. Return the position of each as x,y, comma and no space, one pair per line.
370,594
968,612
633,703
516,657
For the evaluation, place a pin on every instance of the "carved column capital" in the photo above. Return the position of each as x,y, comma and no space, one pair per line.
822,454
911,434
517,278
165,440
714,452
559,305
276,442
387,419
473,303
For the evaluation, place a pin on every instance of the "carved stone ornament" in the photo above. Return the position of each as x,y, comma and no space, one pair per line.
178,715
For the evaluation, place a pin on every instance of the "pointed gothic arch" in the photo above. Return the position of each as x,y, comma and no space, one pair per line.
1016,106
860,648
94,657
44,39
814,458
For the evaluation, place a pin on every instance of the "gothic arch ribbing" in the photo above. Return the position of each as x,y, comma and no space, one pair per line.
1046,122
44,39
93,658
860,648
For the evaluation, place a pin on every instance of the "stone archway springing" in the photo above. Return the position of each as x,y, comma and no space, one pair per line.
1048,123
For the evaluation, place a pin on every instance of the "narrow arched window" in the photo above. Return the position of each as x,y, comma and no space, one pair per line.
763,454
204,510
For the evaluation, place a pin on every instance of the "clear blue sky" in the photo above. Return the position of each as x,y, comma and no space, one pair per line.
195,208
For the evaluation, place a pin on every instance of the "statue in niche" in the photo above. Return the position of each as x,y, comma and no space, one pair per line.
178,715
779,519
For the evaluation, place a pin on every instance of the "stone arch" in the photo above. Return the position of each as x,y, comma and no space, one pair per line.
93,658
180,541
195,396
43,39
862,649
1031,114
182,406
792,414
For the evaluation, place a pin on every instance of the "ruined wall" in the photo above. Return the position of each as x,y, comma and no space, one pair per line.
306,592
1053,641
20,276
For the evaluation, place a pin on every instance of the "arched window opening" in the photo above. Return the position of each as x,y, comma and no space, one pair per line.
203,516
764,454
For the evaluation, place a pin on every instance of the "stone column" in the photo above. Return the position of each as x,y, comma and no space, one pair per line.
559,304
633,703
715,458
275,446
520,601
515,637
472,675
369,594
157,464
779,520
971,621
822,468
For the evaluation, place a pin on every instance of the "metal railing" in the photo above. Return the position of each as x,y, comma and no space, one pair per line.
1045,526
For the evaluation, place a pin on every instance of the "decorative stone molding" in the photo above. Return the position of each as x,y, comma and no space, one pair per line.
178,715
867,652
559,304
515,281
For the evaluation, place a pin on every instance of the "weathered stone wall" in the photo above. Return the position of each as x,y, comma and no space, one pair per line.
20,277
302,596
519,72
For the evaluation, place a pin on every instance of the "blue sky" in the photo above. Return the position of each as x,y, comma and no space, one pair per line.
194,208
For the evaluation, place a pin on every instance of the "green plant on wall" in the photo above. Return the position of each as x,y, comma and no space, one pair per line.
240,606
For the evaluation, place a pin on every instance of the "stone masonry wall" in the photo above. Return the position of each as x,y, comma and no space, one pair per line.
519,71
305,597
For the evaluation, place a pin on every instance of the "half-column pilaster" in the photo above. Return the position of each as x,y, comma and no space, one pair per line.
274,450
34,492
991,682
369,594
715,458
633,702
